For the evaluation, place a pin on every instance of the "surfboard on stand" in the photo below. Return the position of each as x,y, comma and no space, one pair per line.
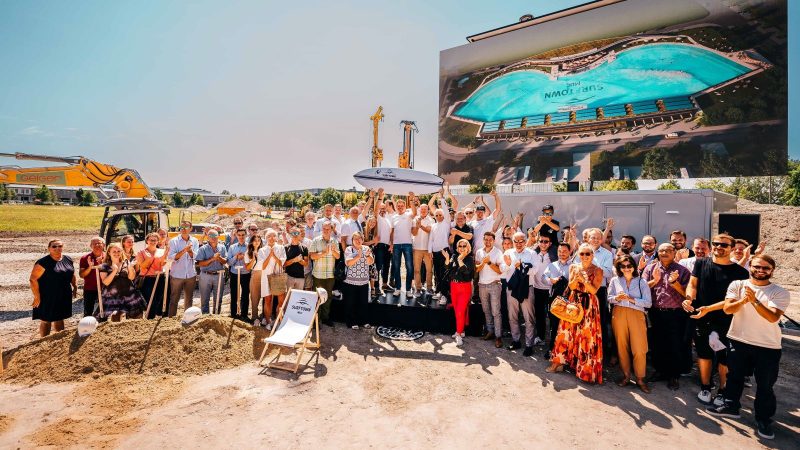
399,181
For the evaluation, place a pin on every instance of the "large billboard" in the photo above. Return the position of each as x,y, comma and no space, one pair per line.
622,89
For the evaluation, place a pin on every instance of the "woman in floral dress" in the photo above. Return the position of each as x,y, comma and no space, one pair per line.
580,345
119,294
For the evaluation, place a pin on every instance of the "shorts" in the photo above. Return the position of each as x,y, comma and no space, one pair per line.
703,349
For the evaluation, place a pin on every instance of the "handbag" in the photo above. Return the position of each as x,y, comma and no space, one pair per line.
566,309
278,283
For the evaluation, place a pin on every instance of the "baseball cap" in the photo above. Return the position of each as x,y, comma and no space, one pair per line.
480,208
547,207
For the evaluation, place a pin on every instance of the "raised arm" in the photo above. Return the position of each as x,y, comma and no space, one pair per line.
497,205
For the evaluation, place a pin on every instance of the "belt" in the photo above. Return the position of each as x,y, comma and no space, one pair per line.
489,284
212,272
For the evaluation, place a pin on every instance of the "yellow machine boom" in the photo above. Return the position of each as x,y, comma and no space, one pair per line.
80,171
377,152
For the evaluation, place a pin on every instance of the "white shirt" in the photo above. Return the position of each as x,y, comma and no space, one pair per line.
541,281
558,269
422,237
349,227
401,224
487,275
337,226
747,325
440,233
688,263
384,229
256,266
273,267
525,256
478,228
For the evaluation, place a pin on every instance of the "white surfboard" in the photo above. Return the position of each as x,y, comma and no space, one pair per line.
399,181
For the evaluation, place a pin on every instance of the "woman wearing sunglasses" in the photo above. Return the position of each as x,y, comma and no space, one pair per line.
580,345
461,269
54,285
630,295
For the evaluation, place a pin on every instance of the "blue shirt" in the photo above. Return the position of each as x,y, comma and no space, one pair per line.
604,259
184,267
639,291
233,263
207,252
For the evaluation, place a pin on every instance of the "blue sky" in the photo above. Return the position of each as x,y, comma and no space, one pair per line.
250,96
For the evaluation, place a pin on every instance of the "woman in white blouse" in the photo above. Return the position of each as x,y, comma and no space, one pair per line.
251,262
271,258
630,295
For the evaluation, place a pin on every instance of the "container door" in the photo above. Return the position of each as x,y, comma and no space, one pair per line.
632,219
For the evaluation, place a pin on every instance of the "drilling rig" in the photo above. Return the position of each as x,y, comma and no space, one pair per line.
406,158
377,152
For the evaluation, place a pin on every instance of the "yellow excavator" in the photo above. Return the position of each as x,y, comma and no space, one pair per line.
377,152
135,210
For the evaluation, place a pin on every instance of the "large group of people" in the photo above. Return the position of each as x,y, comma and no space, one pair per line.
661,303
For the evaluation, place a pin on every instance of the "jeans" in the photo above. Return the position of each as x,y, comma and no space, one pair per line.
763,363
382,258
211,284
490,295
404,251
242,306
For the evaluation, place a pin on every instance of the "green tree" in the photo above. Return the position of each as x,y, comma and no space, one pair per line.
715,184
89,199
560,187
225,192
620,185
195,199
658,164
481,188
714,165
159,195
43,195
330,195
669,185
246,198
177,199
349,199
263,202
791,195
5,192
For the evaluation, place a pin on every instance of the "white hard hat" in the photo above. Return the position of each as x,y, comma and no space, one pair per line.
87,326
323,295
191,314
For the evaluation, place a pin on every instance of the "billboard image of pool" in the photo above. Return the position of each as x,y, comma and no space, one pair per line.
642,73
679,89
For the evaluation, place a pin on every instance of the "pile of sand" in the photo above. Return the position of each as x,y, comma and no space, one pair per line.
780,227
153,347
248,205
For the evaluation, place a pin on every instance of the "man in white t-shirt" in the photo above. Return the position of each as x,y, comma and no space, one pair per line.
484,220
438,240
755,341
487,266
421,231
350,226
400,241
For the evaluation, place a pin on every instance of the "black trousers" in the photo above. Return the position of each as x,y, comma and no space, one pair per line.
382,259
148,286
763,363
609,346
541,298
89,302
668,343
439,270
554,323
504,304
240,301
356,302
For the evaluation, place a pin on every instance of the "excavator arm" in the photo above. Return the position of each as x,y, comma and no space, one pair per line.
79,171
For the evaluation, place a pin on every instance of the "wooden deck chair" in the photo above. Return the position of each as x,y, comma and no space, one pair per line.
295,322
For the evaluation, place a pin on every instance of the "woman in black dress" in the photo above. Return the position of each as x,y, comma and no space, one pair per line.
54,285
119,294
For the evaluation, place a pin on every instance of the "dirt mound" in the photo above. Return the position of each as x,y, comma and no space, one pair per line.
781,229
197,209
248,205
136,347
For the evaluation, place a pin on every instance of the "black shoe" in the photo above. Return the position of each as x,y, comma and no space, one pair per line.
514,345
528,351
724,411
328,322
673,384
656,377
764,429
548,355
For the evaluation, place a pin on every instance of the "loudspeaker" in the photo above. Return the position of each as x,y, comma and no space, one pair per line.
573,186
741,226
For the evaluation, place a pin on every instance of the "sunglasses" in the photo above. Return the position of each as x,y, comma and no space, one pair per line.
253,229
519,241
295,233
585,254
544,242
469,213
462,246
237,223
547,214
720,244
56,246
626,266
764,268
186,228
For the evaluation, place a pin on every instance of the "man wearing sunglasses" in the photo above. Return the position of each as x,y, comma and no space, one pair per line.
667,281
707,287
548,227
239,276
755,305
518,258
230,239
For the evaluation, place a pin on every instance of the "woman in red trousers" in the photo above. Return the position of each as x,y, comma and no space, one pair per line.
461,269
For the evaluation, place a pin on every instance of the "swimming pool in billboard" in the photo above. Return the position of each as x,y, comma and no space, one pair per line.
645,72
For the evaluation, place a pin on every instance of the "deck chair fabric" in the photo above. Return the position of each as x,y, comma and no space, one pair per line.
297,319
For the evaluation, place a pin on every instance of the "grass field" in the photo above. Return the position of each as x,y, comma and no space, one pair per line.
37,218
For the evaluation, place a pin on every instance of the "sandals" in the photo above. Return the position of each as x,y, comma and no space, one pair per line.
553,369
624,381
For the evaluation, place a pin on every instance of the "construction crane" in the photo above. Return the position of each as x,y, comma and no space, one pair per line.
406,158
377,152
80,171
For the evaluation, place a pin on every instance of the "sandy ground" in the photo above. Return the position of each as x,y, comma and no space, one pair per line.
361,391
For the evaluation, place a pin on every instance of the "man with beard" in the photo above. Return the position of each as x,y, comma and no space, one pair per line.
700,247
708,286
678,240
648,254
626,243
756,305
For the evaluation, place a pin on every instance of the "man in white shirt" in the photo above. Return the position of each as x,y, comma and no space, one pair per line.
400,241
438,240
755,341
541,287
513,259
350,226
700,247
382,254
487,266
557,273
483,222
327,216
421,235
603,259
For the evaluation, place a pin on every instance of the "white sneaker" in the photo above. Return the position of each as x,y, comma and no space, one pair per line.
270,324
263,321
336,293
355,327
719,400
704,396
367,326
442,300
537,341
459,340
436,296
415,293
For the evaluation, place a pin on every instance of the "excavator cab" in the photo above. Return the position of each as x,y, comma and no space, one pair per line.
134,216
